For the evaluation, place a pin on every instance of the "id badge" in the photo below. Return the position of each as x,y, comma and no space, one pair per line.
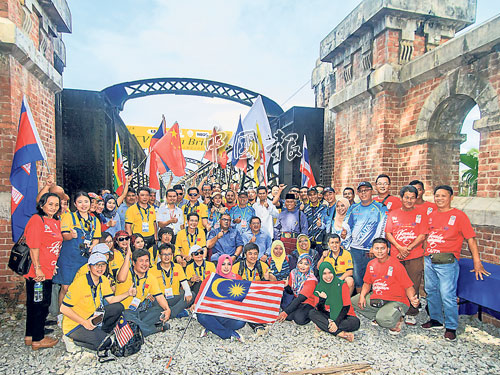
216,225
134,304
243,223
169,293
87,242
145,227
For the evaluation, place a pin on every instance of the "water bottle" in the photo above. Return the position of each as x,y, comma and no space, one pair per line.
38,295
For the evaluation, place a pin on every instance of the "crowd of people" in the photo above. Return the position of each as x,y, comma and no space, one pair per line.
338,257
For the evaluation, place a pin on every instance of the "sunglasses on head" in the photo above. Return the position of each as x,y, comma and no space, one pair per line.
121,239
199,252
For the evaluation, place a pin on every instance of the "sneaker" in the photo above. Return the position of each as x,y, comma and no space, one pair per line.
261,330
411,320
396,330
204,333
374,323
450,335
432,324
71,347
183,314
236,336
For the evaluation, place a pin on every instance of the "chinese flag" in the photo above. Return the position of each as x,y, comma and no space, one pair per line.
169,150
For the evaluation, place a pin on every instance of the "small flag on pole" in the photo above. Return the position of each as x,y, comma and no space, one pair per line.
118,170
123,332
305,167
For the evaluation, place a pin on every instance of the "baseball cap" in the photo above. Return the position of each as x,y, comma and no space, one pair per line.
328,189
243,193
215,193
313,189
194,249
101,248
364,183
96,258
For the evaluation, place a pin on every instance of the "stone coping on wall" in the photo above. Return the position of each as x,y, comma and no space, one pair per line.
14,41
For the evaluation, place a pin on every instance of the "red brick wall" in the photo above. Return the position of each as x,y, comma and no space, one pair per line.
489,165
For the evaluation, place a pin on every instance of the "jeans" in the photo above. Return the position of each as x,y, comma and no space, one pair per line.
222,327
36,312
145,319
386,316
360,260
176,304
441,288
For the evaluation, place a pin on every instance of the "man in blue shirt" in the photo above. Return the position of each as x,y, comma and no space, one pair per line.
290,223
242,213
313,209
224,240
257,236
130,200
364,222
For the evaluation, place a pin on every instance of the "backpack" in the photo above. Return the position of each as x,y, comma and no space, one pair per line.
132,346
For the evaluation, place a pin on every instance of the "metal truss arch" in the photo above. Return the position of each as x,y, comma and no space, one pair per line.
118,94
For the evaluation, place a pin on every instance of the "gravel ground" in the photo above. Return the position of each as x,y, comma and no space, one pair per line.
287,347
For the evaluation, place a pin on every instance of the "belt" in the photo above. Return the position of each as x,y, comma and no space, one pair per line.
289,234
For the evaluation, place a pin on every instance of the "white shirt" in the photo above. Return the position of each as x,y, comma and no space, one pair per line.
164,214
266,216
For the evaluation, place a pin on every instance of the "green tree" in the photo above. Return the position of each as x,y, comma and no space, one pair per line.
469,176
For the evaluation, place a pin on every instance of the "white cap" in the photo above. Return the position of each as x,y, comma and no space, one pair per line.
96,258
101,248
194,249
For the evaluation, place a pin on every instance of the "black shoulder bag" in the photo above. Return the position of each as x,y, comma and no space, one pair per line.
20,258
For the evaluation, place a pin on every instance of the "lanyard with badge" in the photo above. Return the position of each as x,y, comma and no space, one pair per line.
243,217
201,270
87,227
145,225
168,291
136,281
98,315
189,235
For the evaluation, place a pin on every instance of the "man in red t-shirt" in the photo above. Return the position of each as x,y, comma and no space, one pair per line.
425,206
406,229
391,289
383,185
448,227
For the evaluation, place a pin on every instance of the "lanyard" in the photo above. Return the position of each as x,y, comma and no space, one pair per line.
201,268
89,223
188,208
254,273
93,290
189,235
146,210
137,281
165,273
244,215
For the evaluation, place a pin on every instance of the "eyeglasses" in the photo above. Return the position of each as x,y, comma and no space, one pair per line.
199,252
224,219
193,194
180,193
166,255
100,265
382,184
108,241
362,191
121,239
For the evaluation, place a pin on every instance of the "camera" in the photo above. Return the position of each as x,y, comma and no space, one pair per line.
84,250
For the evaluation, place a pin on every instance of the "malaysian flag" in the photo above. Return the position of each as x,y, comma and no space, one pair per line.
123,332
250,301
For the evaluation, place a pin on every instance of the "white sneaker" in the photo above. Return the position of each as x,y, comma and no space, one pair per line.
59,320
71,347
411,320
238,337
261,331
203,333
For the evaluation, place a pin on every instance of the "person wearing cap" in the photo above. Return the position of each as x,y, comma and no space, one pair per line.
290,223
225,240
169,215
314,213
383,186
149,306
242,213
215,210
186,238
194,206
100,248
364,222
170,278
265,210
84,302
199,269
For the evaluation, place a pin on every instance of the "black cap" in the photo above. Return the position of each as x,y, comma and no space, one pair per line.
242,193
364,183
313,189
328,189
290,196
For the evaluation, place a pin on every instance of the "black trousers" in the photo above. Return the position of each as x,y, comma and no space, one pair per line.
36,312
301,314
348,324
92,339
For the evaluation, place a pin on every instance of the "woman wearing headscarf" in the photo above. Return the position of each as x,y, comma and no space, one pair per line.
334,313
110,219
280,266
225,328
301,283
304,247
336,228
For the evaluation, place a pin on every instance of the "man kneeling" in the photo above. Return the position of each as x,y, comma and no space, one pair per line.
390,286
149,308
85,319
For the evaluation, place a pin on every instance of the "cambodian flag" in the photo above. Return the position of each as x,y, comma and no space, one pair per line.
23,177
305,167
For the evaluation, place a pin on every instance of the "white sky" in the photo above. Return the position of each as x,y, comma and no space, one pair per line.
265,46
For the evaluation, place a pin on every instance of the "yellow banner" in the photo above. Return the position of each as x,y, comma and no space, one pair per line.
191,139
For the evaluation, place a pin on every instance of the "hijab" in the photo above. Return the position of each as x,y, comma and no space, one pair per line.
299,250
339,219
299,278
107,213
222,258
278,261
333,290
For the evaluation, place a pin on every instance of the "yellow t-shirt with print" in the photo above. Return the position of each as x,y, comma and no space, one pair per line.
171,279
199,208
342,263
248,274
136,216
83,300
147,285
203,271
185,240
73,220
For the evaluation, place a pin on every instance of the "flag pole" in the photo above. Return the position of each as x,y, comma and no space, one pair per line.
47,165
179,342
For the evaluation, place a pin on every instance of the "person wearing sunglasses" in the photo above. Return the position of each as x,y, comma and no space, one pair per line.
121,245
181,201
224,240
199,269
195,206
